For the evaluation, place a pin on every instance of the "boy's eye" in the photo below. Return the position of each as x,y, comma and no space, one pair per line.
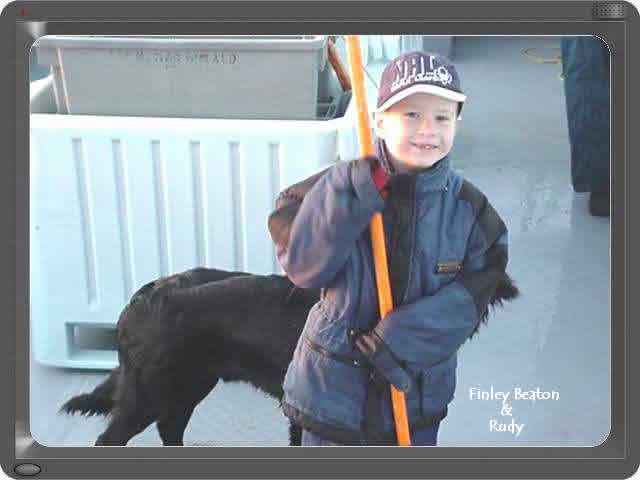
416,115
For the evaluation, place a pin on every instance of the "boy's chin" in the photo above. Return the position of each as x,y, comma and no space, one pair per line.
417,164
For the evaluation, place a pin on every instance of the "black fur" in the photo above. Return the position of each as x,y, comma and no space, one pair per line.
179,335
504,291
98,402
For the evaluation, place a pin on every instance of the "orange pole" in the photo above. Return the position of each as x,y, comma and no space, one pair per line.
385,300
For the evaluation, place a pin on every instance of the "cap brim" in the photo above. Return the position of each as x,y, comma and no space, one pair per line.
422,88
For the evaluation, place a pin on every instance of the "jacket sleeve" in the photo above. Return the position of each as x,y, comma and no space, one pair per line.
429,330
317,222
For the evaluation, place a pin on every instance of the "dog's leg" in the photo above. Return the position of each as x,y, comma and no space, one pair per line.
295,435
171,429
171,426
124,428
134,411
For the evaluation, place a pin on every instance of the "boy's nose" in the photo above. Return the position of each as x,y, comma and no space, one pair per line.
426,125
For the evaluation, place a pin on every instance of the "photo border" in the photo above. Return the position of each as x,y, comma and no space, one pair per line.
23,22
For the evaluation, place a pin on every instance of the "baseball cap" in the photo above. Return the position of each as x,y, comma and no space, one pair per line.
419,72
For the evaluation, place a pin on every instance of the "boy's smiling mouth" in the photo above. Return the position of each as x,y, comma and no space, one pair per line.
423,146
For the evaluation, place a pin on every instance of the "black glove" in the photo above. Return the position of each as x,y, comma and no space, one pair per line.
385,364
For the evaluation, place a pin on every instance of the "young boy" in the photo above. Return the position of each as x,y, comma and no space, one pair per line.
447,254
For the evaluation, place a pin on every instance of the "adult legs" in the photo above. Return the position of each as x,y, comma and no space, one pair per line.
585,64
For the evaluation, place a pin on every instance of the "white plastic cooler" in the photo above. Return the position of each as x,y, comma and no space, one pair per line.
116,202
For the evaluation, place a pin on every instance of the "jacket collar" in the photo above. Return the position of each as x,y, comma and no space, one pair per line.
428,180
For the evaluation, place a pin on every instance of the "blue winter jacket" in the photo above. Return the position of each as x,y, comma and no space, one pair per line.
447,254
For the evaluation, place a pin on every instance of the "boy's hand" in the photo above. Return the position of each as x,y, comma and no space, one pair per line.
387,365
380,177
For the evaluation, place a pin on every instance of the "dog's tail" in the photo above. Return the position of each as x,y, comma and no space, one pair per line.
99,402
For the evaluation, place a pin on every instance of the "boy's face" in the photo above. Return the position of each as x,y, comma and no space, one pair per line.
418,130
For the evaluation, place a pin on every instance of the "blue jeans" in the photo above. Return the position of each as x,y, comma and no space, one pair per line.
585,65
427,436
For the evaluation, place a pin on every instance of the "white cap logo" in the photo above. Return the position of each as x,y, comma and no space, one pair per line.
407,74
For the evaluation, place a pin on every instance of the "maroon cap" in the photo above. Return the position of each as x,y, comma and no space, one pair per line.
419,72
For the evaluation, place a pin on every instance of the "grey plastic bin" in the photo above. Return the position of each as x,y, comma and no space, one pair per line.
430,43
251,77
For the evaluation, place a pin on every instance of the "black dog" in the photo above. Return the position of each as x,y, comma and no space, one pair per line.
180,335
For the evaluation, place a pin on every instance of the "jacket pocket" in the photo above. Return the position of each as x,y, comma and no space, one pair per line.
437,386
354,362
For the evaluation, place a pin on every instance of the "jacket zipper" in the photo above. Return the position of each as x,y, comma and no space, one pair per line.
412,239
421,391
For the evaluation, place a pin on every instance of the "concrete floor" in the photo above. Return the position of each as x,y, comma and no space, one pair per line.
512,143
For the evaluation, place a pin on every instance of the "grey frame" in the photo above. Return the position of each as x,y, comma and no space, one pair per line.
613,459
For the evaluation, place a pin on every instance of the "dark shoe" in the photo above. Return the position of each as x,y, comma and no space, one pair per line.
599,204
